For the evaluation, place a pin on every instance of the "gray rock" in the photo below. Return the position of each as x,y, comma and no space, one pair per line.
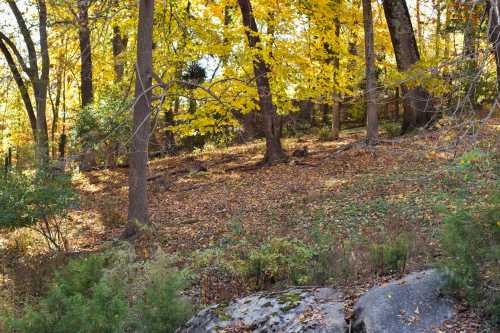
289,311
410,305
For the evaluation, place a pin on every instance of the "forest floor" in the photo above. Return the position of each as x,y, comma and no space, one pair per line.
342,193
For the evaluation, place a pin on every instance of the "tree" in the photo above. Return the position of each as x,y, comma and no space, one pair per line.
137,195
38,77
119,43
87,90
494,35
336,96
271,124
371,80
417,102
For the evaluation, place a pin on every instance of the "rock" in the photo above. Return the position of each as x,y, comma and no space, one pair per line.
88,160
410,305
300,152
289,311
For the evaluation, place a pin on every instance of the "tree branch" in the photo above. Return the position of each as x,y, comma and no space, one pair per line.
20,84
30,45
16,52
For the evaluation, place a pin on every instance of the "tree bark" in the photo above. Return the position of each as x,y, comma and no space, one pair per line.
494,35
43,84
470,56
417,102
138,199
119,44
437,43
371,80
23,90
336,125
87,90
271,127
39,80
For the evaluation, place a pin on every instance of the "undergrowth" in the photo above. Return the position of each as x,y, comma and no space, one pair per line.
109,292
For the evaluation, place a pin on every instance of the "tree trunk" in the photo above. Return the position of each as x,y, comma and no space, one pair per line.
336,125
470,57
417,102
437,44
86,88
494,35
170,146
371,80
396,110
21,86
420,32
119,44
138,199
41,88
272,128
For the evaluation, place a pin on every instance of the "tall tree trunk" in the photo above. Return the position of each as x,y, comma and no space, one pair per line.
470,56
42,88
272,127
437,40
55,104
446,36
494,36
39,79
138,198
371,79
119,44
336,125
420,32
87,90
417,102
21,86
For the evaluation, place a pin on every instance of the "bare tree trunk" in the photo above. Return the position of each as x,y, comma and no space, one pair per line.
371,80
40,89
138,198
272,127
87,90
417,102
420,32
23,90
119,44
494,35
55,104
39,79
438,8
396,111
336,125
470,57
446,37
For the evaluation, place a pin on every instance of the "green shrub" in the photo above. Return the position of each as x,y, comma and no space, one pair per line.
470,239
39,201
390,256
109,292
392,129
280,260
104,126
324,134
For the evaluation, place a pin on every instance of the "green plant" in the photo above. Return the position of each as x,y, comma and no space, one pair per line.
392,129
324,134
109,292
470,239
280,260
103,126
38,201
162,309
390,256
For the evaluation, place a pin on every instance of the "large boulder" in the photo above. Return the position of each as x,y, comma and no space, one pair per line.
289,311
410,305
